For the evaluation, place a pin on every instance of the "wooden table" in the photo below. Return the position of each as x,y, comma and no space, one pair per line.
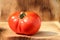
49,31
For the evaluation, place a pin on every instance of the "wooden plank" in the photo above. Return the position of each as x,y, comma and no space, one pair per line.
48,31
46,9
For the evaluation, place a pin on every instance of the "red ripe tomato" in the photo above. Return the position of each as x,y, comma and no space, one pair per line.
24,22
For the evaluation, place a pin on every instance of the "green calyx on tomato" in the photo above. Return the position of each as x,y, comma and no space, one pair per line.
22,15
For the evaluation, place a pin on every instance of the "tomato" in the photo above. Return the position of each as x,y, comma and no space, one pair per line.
27,23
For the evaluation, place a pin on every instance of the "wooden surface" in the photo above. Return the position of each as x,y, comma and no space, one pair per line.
48,31
47,9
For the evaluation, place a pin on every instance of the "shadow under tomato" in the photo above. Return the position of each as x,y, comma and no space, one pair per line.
38,34
45,33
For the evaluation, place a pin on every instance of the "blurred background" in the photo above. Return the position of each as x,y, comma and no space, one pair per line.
48,10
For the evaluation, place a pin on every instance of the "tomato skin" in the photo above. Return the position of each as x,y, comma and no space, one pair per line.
28,25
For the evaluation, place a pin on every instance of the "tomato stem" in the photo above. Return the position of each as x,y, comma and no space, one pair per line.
22,15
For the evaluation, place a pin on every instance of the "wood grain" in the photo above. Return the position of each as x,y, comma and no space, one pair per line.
48,31
48,10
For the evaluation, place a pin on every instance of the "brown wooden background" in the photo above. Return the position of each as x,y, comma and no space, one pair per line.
48,10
